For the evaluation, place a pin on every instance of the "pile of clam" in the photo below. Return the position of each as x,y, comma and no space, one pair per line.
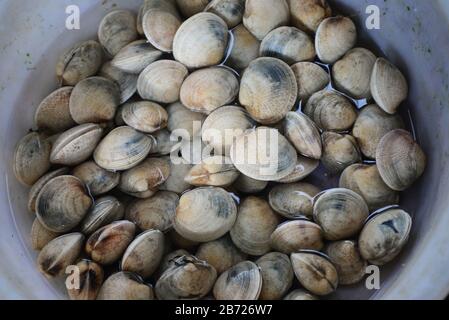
109,198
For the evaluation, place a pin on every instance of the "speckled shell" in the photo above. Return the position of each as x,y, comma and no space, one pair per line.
245,48
310,78
40,235
217,171
104,211
125,286
302,132
292,236
190,7
262,16
145,116
231,11
96,179
135,57
127,82
246,184
303,168
308,14
277,275
116,30
91,277
184,122
339,151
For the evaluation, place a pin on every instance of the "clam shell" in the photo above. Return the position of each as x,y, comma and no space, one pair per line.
310,78
277,275
302,132
262,16
308,14
169,260
91,277
40,235
135,57
183,122
144,116
96,179
139,17
190,7
116,30
296,235
217,171
339,151
231,11
303,168
127,82
125,286
246,184
175,181
300,294
245,48
104,211
164,143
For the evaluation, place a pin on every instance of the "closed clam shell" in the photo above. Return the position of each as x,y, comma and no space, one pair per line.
293,200
62,203
125,286
231,11
310,78
144,254
263,154
302,132
31,158
161,81
308,14
143,180
76,145
340,213
245,48
388,85
40,235
116,30
246,184
91,277
303,168
352,73
164,143
136,56
262,16
201,41
367,182
96,179
268,90
53,112
190,7
292,236
60,253
208,89
400,159
104,211
205,214
184,122
339,151
122,149
288,44
188,278
315,272
95,100
80,62
145,116
169,260
107,244
300,294
175,181
384,236
139,26
277,275
255,223
156,212
346,258
241,282
217,171
127,82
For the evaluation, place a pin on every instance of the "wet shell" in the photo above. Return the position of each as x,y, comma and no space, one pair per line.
231,11
241,282
201,41
268,90
161,81
91,277
262,16
190,7
340,212
105,210
76,145
400,160
245,48
208,89
96,179
303,168
62,203
310,78
339,151
300,294
255,223
125,286
135,57
296,235
107,244
288,44
388,85
217,171
293,200
127,82
302,132
123,148
246,184
116,30
60,253
31,158
144,116
277,275
175,181
308,14
40,235
205,214
183,122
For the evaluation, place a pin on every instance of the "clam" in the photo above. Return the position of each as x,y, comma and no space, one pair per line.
346,258
262,16
367,182
388,85
91,277
310,78
241,282
300,294
62,203
145,116
268,90
80,62
104,211
60,253
295,235
201,41
116,30
175,181
302,132
217,171
156,212
169,260
255,223
303,168
125,286
95,100
161,81
107,244
245,48
164,143
371,125
40,235
53,112
308,14
188,278
277,275
127,82
96,179
288,44
143,180
384,236
135,57
205,214
184,122
352,73
76,145
231,11
31,158
293,200
340,213
400,159
139,26
315,272
190,7
339,151
122,149
144,254
179,241
246,184
208,89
